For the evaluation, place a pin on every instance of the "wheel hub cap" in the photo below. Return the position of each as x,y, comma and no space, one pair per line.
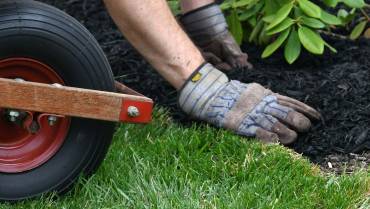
21,149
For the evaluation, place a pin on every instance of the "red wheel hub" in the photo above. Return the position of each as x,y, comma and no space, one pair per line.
21,150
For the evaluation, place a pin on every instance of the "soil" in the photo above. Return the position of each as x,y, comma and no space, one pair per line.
338,85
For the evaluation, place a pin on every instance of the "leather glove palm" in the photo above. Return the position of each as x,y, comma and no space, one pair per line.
247,109
208,29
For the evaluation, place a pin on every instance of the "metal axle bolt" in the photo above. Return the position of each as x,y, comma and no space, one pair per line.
52,120
133,111
13,115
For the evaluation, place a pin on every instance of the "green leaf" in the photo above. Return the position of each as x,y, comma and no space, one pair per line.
298,12
271,7
241,3
330,19
312,22
311,40
256,30
310,8
330,47
235,26
246,14
252,21
225,5
255,4
282,2
281,15
354,3
263,38
293,47
345,16
342,13
367,33
331,3
282,26
358,30
269,18
175,7
270,49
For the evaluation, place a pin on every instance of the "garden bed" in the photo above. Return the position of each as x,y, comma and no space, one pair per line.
338,85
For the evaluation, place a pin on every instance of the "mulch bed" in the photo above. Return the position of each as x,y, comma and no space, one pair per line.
338,85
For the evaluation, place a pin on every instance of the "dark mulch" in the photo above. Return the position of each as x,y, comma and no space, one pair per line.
338,85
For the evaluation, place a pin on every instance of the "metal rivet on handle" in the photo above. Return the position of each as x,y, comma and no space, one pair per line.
19,80
133,111
57,85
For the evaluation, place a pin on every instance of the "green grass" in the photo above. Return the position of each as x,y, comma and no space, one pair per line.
164,165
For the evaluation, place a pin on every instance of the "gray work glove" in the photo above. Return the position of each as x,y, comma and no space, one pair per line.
247,109
208,29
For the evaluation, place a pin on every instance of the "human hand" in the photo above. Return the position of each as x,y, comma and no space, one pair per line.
247,109
208,29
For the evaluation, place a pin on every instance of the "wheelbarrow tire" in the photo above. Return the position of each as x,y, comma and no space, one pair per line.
34,30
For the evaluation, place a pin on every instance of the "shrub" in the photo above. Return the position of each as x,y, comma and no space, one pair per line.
291,24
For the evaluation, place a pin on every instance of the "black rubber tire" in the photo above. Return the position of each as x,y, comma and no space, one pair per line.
35,30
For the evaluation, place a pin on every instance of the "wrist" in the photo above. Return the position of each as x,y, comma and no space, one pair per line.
176,65
201,86
204,24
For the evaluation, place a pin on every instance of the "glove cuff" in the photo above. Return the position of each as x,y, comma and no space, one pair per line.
204,24
196,93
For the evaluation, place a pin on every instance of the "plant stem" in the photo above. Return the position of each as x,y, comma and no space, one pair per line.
364,13
333,34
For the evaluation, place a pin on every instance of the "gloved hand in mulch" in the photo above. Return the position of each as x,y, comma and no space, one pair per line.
247,109
208,29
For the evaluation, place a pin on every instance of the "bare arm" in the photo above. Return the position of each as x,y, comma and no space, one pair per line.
151,28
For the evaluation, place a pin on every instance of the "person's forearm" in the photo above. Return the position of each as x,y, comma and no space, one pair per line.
189,5
154,32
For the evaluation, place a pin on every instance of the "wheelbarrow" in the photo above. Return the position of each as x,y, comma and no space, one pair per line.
58,101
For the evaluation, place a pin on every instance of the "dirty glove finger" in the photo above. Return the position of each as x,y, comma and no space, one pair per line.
266,136
298,106
286,135
286,115
223,66
247,64
298,121
239,60
216,61
252,127
211,58
233,54
271,124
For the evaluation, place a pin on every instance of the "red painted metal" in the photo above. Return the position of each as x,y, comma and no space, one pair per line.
145,110
27,122
21,150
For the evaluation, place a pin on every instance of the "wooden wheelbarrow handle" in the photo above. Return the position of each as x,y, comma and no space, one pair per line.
76,102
